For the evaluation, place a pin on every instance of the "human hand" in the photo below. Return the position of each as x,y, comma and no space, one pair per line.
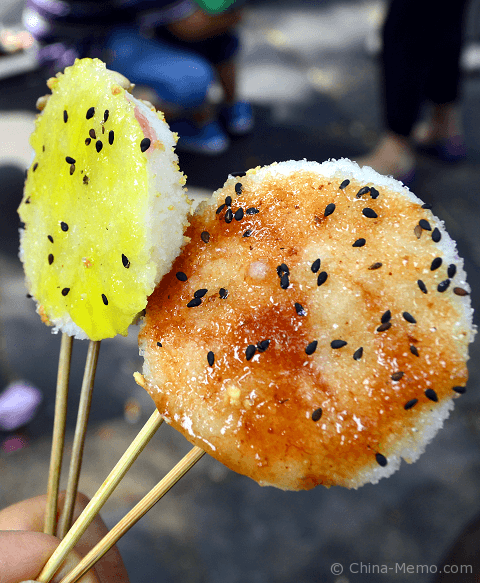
24,549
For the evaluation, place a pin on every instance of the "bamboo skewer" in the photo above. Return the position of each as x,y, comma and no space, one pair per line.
58,438
79,437
101,496
185,464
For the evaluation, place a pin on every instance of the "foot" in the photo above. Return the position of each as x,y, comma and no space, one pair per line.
393,156
442,134
208,138
238,118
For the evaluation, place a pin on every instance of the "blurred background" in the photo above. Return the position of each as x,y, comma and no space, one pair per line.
311,71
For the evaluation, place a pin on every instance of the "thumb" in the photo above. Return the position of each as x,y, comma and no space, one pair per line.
23,555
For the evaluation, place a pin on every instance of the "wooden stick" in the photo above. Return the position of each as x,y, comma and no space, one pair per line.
58,438
79,437
99,499
135,514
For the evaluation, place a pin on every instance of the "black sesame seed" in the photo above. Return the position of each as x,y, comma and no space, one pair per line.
425,225
239,214
50,238
228,201
250,352
263,345
125,261
374,193
436,235
386,317
86,179
65,291
98,145
381,460
359,243
159,344
362,191
111,137
357,355
145,144
223,293
237,174
443,285
338,343
310,349
90,113
329,209
210,358
205,236
322,278
50,259
396,376
315,265
200,293
229,216
284,281
414,350
432,395
64,226
427,206
300,309
220,209
384,327
65,116
283,268
27,201
422,286
104,299
409,404
436,263
316,415
459,291
181,276
88,141
92,134
194,303
252,211
70,160
105,115
344,184
247,233
375,266
369,213
238,188
452,270
35,166
72,169
460,390
409,318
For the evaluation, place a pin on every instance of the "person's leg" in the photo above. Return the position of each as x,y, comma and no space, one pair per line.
444,128
405,36
179,77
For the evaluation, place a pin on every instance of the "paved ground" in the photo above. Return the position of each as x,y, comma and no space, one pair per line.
314,85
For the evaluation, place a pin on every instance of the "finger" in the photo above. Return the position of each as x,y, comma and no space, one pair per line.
29,515
23,554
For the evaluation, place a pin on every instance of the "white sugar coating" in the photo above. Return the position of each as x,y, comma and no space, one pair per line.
409,448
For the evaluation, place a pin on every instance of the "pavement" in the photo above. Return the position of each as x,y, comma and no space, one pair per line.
311,72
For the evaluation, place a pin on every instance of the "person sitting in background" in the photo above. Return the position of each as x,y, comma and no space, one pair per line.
420,63
172,48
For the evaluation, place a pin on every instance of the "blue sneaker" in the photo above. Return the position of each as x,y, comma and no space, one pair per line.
238,118
208,139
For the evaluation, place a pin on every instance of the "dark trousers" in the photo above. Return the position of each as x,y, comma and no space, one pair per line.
421,58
